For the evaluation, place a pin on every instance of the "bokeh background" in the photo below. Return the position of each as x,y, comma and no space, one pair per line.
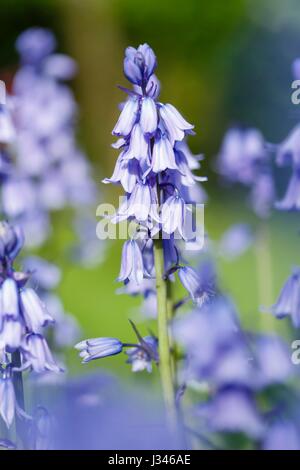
221,63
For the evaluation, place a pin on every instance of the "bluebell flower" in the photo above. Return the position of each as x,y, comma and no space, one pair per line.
11,333
174,123
291,199
288,302
163,156
173,216
34,310
283,434
288,151
7,129
236,240
7,399
141,357
11,240
240,154
132,266
37,355
273,360
96,348
59,67
232,411
34,44
10,298
127,118
139,64
192,282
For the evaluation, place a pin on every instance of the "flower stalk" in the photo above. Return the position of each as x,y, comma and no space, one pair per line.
165,364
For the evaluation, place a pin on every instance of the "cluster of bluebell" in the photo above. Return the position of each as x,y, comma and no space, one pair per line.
235,373
23,316
154,169
44,169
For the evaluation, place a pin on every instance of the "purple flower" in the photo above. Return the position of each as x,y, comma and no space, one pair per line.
132,266
9,297
240,154
273,359
34,44
11,240
288,152
163,156
148,117
37,355
291,199
288,303
127,118
192,282
142,356
7,400
139,64
34,311
236,240
97,348
11,333
174,123
233,410
59,66
282,435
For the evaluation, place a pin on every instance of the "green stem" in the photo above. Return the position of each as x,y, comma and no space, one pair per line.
264,274
163,333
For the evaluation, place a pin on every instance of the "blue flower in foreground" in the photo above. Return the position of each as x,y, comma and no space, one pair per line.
288,303
96,348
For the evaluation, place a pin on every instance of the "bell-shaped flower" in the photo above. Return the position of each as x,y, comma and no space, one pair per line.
97,348
175,124
139,64
11,240
140,204
138,147
132,266
291,199
7,400
148,117
288,152
173,215
10,298
142,357
11,333
126,172
127,118
191,280
163,156
37,355
34,310
288,303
